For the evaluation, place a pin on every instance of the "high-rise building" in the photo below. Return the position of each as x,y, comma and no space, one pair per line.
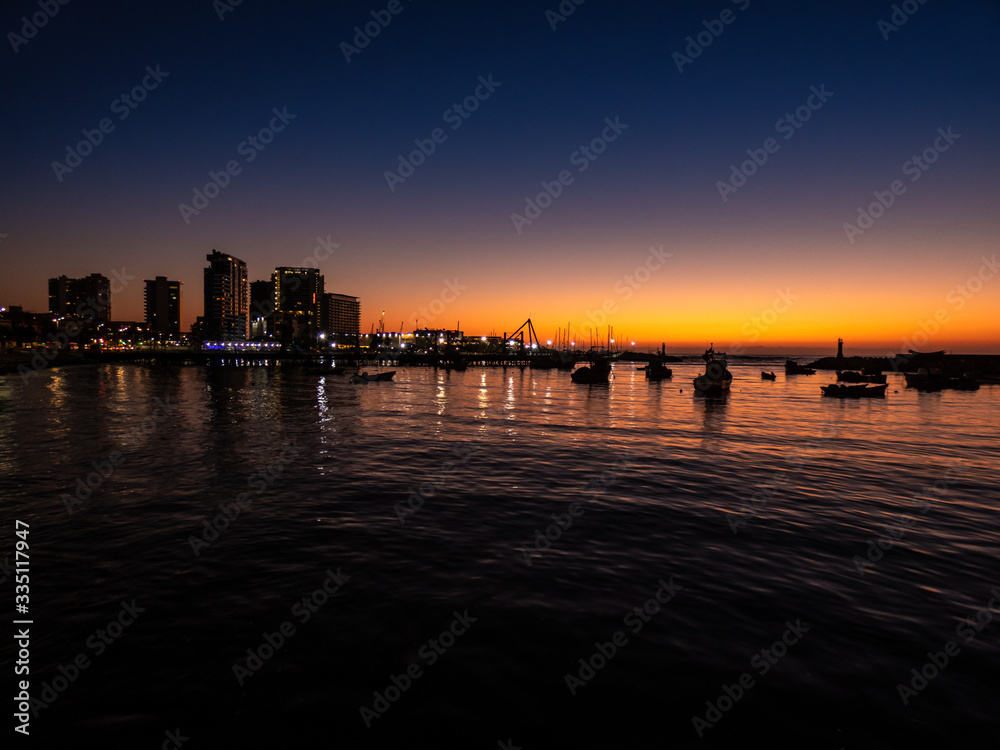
227,303
341,316
298,297
89,297
163,306
261,309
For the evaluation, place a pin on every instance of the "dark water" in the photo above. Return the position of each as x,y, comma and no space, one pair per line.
661,477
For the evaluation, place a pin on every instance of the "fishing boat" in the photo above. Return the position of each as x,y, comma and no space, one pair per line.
864,390
364,377
596,374
849,376
716,378
657,370
767,376
794,368
933,381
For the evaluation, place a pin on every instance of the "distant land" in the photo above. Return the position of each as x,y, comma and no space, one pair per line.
807,351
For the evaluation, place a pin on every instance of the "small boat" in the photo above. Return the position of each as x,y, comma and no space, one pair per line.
456,363
657,370
864,390
928,381
364,377
596,374
849,376
767,376
794,368
716,378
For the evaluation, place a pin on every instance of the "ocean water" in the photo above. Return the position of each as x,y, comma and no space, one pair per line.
507,557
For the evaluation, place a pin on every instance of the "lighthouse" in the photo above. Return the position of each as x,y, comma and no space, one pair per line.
840,348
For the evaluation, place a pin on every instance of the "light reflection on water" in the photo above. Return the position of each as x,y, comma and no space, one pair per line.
833,474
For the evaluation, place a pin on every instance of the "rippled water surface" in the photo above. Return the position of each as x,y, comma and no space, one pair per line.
429,498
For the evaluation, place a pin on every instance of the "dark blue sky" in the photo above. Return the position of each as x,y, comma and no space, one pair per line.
656,184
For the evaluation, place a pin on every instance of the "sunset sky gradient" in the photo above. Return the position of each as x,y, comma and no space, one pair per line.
780,236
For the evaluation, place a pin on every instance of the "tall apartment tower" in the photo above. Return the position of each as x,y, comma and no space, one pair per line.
298,298
341,316
163,306
227,299
89,297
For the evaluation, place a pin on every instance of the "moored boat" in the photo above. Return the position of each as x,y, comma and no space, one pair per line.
794,368
597,373
716,378
768,376
657,370
864,390
364,377
849,376
927,381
